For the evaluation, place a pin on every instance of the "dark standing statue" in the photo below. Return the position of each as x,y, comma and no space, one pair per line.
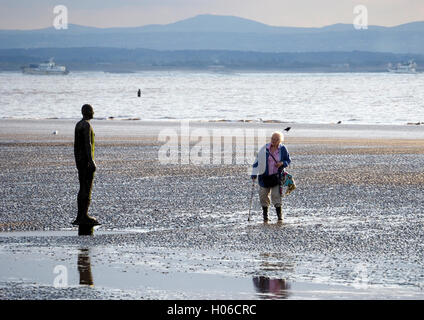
84,158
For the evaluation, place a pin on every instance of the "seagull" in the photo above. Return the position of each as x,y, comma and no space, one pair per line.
287,129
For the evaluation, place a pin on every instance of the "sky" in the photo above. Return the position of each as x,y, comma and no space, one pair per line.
34,14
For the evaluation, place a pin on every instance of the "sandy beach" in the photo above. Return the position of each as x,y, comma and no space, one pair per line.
353,228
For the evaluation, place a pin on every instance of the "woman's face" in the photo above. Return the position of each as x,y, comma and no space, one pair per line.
275,140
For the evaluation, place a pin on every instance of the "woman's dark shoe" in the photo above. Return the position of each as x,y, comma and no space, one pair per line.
279,214
265,213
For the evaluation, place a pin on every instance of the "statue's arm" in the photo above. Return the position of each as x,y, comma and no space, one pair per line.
88,146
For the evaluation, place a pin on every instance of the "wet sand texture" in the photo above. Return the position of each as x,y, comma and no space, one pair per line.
358,201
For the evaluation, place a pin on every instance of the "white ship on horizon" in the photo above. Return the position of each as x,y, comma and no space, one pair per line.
409,67
48,67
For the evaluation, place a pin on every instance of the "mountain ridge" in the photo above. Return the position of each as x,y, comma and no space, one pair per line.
204,21
215,32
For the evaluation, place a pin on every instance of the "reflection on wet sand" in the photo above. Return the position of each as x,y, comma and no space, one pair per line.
271,288
276,262
85,230
84,268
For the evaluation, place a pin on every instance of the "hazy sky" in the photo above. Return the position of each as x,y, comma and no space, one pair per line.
31,14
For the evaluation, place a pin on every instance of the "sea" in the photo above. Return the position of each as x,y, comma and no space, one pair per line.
357,98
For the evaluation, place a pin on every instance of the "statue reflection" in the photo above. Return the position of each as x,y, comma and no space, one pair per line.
271,288
85,230
84,268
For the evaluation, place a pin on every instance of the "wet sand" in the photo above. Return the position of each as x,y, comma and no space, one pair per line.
353,227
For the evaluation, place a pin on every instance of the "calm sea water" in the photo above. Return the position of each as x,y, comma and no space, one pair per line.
381,98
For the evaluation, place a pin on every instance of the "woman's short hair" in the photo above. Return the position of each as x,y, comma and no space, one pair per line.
280,134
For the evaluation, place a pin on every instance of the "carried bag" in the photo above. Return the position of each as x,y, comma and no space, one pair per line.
288,181
273,179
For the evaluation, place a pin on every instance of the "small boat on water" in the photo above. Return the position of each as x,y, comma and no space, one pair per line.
408,67
48,67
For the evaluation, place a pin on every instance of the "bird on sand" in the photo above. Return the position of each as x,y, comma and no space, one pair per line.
287,129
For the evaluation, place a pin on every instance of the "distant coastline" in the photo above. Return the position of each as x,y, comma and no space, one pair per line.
122,60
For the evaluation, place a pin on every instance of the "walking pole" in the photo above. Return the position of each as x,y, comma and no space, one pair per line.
251,198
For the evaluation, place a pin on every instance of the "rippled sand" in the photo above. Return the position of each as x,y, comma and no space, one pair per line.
353,227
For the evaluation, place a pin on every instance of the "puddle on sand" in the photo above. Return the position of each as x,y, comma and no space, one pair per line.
77,270
82,268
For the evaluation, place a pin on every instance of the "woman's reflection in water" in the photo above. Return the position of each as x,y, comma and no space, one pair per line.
271,288
84,268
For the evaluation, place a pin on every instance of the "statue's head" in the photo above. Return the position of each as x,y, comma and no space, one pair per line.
87,111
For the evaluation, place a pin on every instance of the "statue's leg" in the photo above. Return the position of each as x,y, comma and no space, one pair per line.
81,196
86,178
88,187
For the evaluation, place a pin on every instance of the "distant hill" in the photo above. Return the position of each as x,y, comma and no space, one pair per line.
213,32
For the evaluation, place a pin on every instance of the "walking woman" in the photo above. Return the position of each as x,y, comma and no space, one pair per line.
272,158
